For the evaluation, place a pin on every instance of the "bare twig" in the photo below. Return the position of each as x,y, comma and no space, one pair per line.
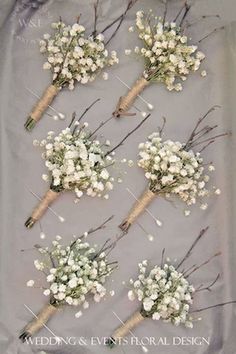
163,126
204,17
85,111
95,17
91,231
72,120
202,232
212,139
162,257
200,120
206,145
203,264
213,306
212,32
165,11
180,11
208,287
187,9
100,126
119,20
128,135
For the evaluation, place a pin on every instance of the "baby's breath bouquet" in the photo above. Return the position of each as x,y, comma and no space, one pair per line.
73,273
173,168
165,293
76,160
73,56
168,55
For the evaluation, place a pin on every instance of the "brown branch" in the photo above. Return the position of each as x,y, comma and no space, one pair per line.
85,111
208,287
128,135
204,17
95,17
72,119
211,139
100,126
91,231
202,232
200,120
206,146
179,12
163,126
162,257
203,264
187,9
212,32
165,11
213,306
120,20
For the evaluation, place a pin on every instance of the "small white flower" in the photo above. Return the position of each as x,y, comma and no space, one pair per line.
187,212
203,73
85,305
127,51
204,206
217,191
105,76
131,295
78,314
30,283
46,292
35,142
131,29
72,283
45,177
156,316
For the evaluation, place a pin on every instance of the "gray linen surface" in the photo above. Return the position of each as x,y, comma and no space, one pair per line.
22,167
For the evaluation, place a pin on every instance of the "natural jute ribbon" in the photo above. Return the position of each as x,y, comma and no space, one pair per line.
44,102
47,200
138,208
124,329
42,318
126,102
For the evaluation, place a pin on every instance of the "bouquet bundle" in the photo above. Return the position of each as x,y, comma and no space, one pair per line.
168,55
73,56
165,293
73,273
174,168
78,161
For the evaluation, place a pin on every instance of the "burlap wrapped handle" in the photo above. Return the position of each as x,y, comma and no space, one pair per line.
41,106
137,209
126,102
125,328
41,208
37,323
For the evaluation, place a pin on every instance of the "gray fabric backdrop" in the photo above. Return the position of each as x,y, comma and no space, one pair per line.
22,167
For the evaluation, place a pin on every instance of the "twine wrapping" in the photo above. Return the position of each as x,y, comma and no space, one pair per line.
42,318
38,212
126,102
138,208
124,329
44,102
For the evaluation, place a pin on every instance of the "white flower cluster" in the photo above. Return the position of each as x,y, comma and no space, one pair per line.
173,170
78,162
168,56
165,294
73,57
78,270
